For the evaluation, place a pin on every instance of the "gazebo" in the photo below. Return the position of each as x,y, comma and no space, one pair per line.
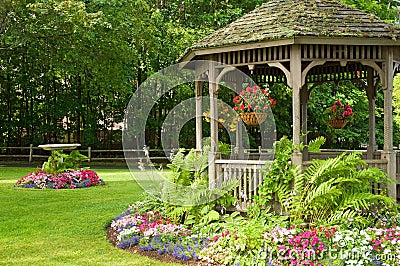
303,44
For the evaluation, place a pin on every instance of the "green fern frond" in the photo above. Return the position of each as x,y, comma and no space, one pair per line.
323,192
315,144
340,216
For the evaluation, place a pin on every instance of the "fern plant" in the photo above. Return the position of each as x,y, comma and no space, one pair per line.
191,171
327,192
315,144
330,191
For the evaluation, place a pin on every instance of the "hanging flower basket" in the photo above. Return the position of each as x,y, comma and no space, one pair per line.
339,114
337,123
252,105
253,118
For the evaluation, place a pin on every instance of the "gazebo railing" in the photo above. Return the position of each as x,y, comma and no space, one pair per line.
324,154
375,161
249,175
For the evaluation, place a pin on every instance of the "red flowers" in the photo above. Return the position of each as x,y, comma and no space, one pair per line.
253,99
340,111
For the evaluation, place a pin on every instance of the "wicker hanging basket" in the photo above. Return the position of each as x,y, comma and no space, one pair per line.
253,118
337,123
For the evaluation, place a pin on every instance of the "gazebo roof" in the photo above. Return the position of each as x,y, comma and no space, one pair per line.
287,19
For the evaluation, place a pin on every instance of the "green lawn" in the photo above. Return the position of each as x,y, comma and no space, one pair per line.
64,227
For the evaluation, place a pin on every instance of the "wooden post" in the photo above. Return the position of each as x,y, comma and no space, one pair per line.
30,152
89,152
239,129
212,75
388,152
371,94
199,115
295,75
304,93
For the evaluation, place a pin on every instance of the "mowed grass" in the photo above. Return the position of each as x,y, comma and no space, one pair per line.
64,227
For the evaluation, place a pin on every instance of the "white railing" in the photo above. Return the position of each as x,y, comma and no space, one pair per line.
376,163
249,175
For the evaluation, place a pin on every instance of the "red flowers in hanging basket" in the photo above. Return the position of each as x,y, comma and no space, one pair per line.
252,104
253,99
339,114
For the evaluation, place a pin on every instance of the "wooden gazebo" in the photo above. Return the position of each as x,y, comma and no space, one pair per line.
302,44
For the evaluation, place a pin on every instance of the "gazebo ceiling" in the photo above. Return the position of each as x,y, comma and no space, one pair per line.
331,21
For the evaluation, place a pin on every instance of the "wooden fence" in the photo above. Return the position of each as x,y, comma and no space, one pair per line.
32,153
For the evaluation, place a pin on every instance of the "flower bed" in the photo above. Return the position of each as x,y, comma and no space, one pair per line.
67,179
152,232
275,245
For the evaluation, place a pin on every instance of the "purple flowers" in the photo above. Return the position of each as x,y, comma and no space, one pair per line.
68,179
151,231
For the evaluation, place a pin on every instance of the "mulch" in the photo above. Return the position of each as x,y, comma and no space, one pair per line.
112,237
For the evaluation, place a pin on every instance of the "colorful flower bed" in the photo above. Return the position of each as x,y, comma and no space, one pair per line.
153,232
229,245
67,179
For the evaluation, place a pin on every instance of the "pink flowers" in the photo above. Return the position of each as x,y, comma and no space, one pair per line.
340,111
382,239
146,225
253,99
298,247
68,179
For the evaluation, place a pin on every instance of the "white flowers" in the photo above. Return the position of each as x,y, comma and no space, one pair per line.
127,231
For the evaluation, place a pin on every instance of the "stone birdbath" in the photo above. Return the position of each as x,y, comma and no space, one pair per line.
59,147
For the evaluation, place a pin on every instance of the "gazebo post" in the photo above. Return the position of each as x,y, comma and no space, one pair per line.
295,82
199,115
371,94
304,93
239,129
388,153
213,91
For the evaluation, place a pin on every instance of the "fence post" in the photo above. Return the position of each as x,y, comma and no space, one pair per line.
89,152
30,152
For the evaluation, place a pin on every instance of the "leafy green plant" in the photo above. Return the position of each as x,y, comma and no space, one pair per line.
327,192
59,162
315,144
278,176
191,170
330,191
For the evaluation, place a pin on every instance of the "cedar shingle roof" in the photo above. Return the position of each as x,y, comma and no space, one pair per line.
282,19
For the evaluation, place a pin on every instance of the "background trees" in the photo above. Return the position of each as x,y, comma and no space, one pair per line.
68,68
